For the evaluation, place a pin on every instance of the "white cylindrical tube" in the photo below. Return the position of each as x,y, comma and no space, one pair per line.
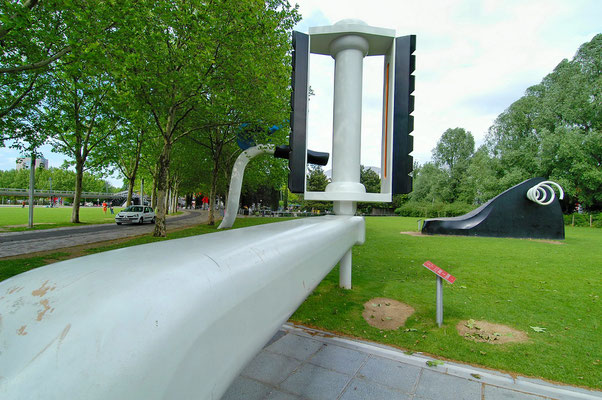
345,271
348,52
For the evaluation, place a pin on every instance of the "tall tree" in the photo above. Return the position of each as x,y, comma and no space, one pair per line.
81,119
453,154
554,130
184,50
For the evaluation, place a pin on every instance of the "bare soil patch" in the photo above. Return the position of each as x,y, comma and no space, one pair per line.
547,241
413,233
483,331
386,314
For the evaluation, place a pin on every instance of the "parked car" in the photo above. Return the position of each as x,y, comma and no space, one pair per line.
135,215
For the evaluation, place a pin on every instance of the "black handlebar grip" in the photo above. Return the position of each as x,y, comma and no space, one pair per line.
282,151
317,157
313,157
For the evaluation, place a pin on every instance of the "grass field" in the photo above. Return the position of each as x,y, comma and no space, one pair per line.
16,218
520,283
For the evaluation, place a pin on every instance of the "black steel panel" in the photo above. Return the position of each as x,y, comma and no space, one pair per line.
298,122
510,214
403,122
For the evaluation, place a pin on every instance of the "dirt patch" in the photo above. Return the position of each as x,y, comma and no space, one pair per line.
386,314
483,331
546,241
413,233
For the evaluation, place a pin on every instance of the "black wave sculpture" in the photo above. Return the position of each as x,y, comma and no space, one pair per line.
510,214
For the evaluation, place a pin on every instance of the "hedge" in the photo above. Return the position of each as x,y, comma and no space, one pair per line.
434,210
583,219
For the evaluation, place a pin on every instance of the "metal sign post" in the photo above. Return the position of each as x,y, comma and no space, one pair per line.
441,274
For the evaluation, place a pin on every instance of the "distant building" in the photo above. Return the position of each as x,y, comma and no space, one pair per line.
25,162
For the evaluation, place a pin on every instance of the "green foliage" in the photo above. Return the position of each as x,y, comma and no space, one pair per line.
371,181
583,220
316,182
62,179
555,130
433,210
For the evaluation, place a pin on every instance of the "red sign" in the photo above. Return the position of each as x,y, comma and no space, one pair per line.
443,274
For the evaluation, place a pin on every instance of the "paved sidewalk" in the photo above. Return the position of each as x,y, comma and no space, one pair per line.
300,363
26,242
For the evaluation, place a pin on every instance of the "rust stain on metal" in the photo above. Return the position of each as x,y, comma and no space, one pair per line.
21,330
44,303
14,290
43,290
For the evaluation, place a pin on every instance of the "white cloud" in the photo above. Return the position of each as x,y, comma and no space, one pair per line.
474,58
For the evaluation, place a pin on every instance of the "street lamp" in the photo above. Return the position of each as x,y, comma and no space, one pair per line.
51,198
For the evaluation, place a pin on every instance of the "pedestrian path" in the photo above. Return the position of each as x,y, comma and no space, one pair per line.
301,363
27,242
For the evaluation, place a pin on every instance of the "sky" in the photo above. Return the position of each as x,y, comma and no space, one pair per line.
474,58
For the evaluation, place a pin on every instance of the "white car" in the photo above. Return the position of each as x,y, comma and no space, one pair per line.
135,215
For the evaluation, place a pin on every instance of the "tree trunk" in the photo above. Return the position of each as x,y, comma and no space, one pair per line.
79,175
154,194
161,187
212,193
130,191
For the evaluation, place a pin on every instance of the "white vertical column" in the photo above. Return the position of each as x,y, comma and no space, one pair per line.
348,52
345,271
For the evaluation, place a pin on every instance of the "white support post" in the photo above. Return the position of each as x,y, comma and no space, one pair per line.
345,271
439,301
238,172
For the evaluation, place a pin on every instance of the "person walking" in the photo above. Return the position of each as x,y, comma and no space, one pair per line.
104,207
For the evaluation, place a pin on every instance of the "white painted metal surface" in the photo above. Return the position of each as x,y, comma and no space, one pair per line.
238,173
169,320
543,194
348,42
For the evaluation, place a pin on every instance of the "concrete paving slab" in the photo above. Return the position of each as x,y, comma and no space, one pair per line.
295,346
390,373
497,393
278,395
339,359
248,389
270,368
436,385
362,389
314,382
304,363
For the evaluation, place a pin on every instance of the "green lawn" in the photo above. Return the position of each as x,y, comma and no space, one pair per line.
520,283
13,218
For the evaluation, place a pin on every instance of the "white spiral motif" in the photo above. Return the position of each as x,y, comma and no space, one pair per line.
543,194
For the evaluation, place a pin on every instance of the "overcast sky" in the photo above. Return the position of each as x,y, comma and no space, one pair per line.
473,59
